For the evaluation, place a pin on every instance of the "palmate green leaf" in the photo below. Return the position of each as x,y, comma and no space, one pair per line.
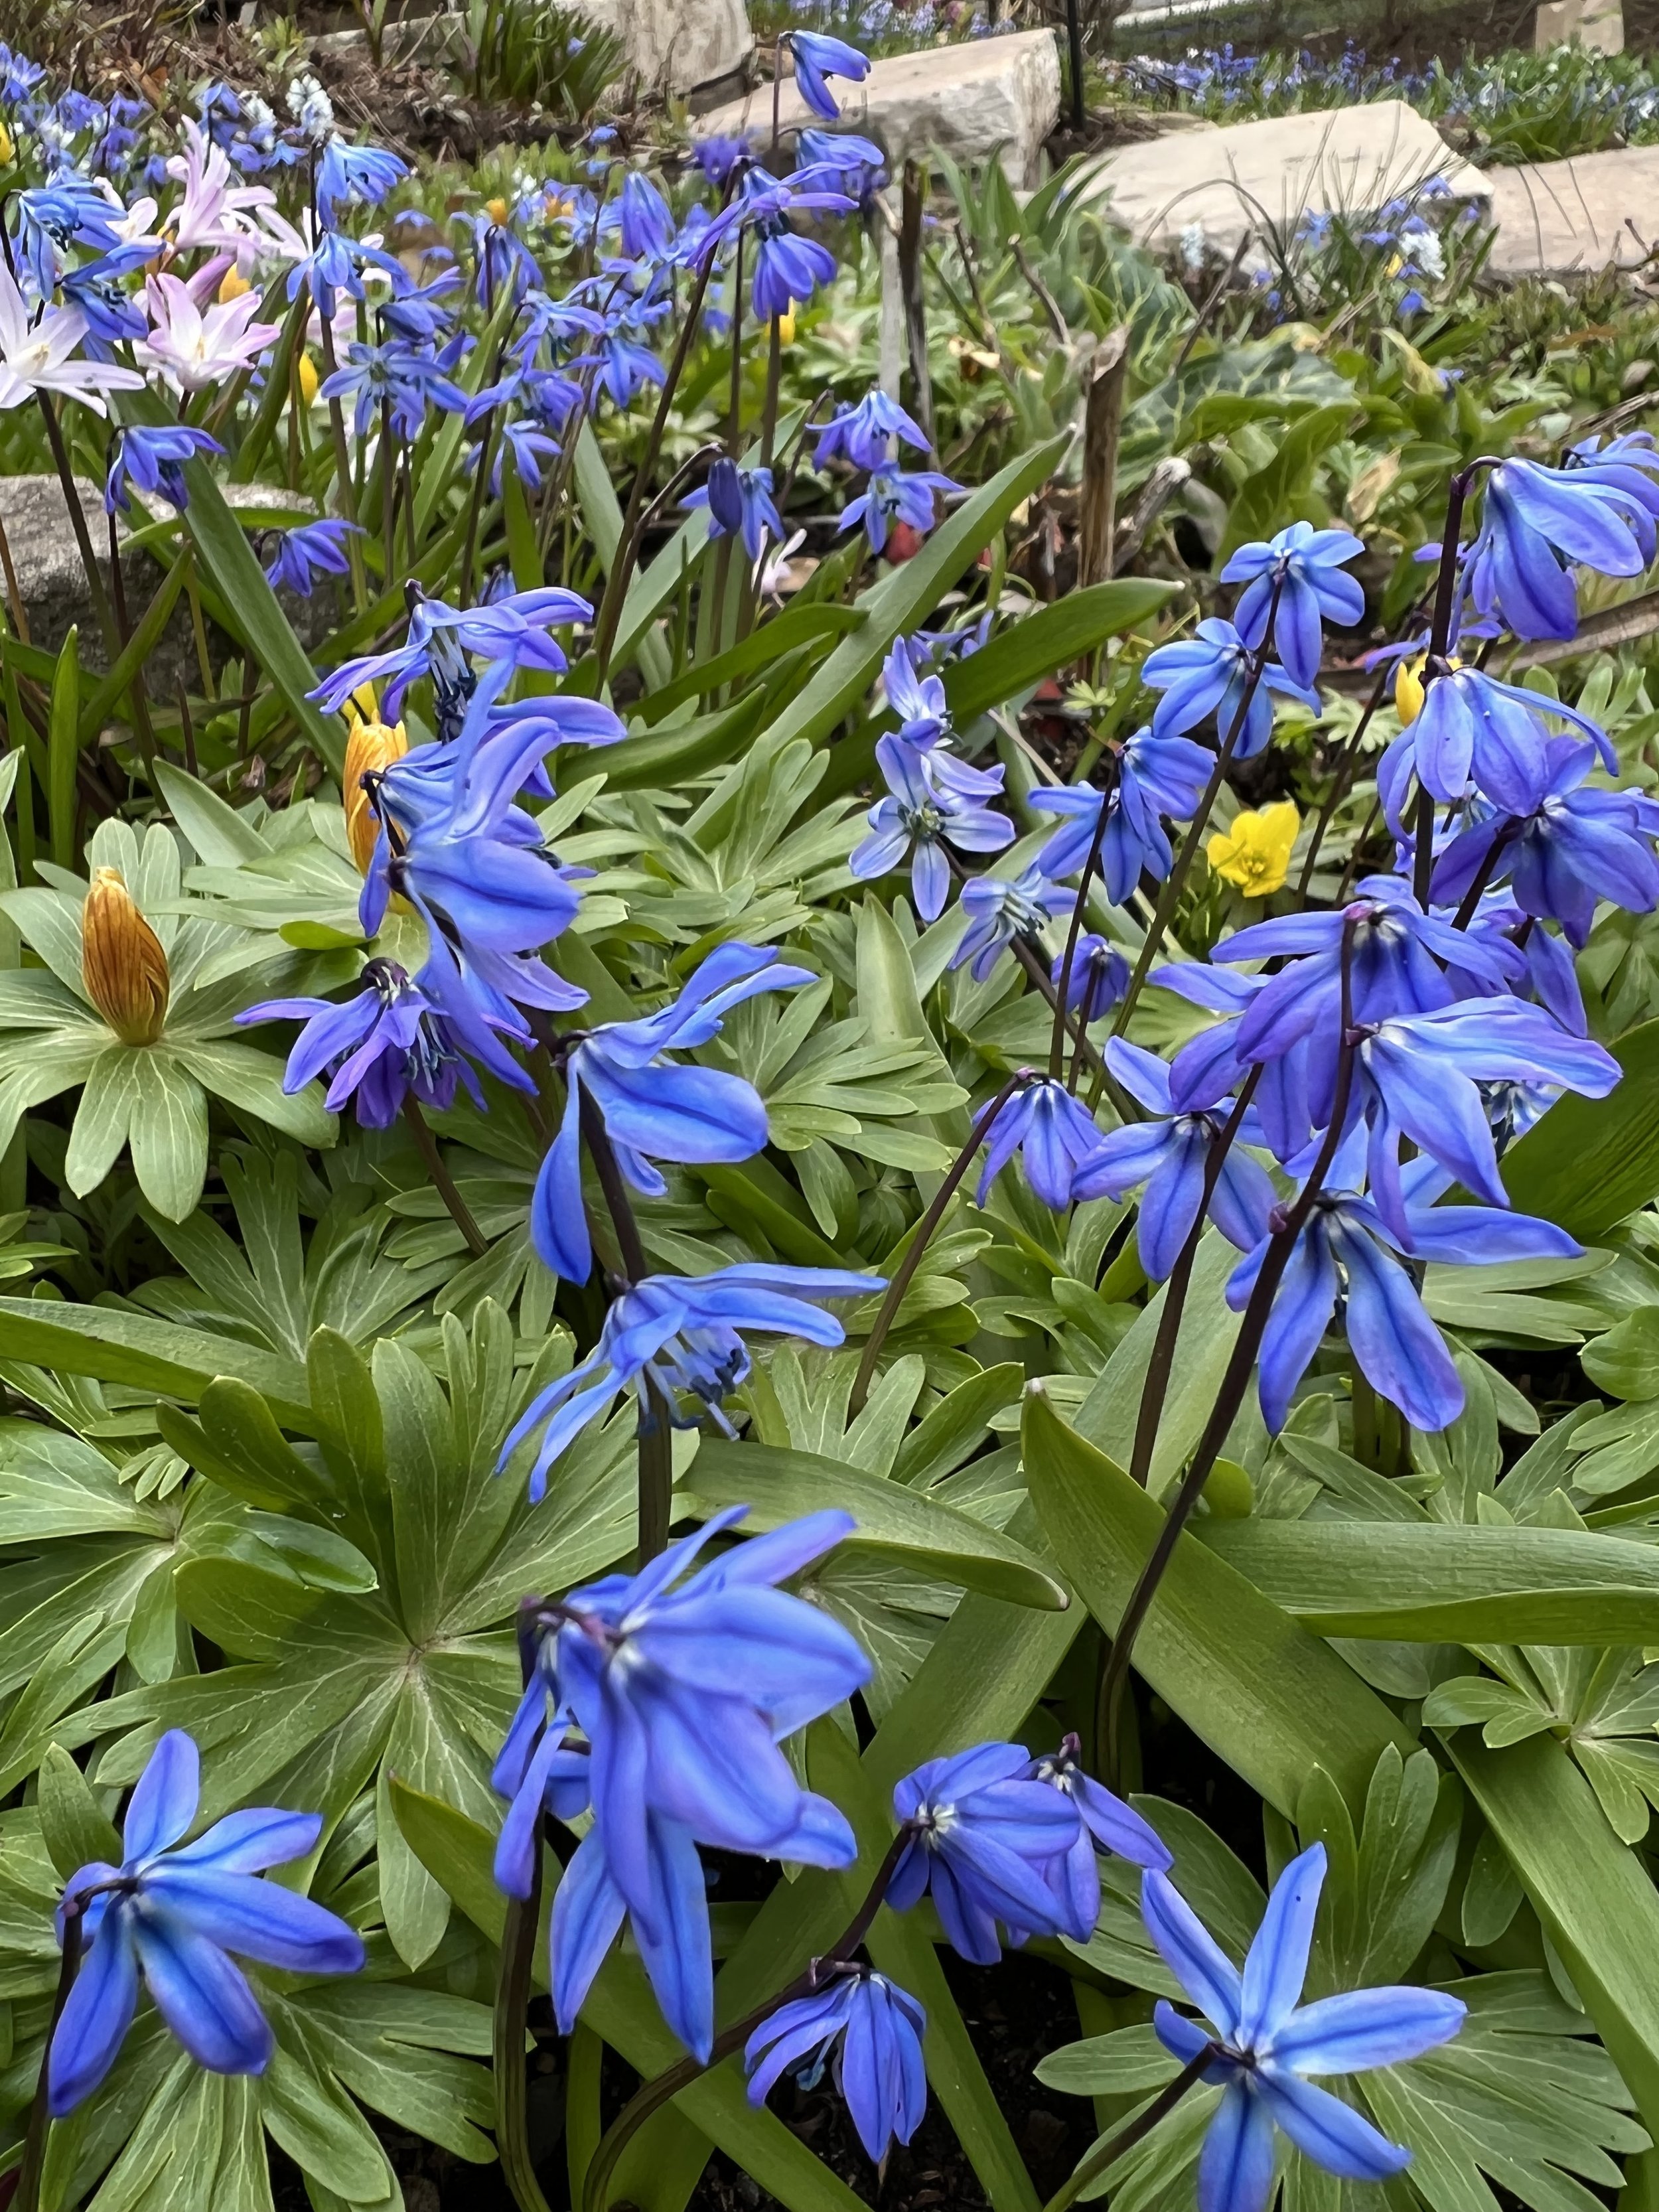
1593,1161
1427,1582
929,1539
1271,1699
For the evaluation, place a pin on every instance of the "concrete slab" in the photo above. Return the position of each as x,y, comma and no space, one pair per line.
1246,176
999,95
1568,218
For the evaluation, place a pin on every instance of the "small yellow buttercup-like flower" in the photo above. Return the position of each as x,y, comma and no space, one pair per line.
122,963
372,747
232,285
309,379
1255,853
497,211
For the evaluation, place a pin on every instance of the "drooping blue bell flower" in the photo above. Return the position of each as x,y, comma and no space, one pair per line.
818,56
1208,674
1303,567
1001,910
895,495
354,176
863,435
1473,733
1099,977
1104,1823
1153,777
154,458
1536,523
388,1043
983,1836
1052,1131
874,2029
740,504
311,550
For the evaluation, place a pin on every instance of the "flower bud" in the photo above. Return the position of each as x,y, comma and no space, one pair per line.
7,151
371,746
232,285
305,370
497,210
1408,687
122,964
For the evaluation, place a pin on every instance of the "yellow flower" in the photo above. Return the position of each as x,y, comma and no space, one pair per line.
309,379
498,212
7,151
1408,687
232,285
1255,853
371,747
786,328
122,964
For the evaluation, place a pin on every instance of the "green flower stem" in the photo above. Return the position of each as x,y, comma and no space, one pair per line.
1341,779
921,1236
95,591
1235,1381
26,2197
1108,2153
459,1212
667,2086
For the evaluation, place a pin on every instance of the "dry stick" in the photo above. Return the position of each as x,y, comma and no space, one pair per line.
920,1239
910,295
1136,2130
1235,1381
459,1212
20,620
667,2086
1211,301
1103,415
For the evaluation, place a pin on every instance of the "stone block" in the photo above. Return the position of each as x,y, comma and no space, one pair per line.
998,95
1597,24
1247,176
1567,218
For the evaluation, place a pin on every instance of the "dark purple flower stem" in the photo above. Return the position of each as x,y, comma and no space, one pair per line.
667,2086
1341,779
1235,1380
1136,2130
459,1212
1434,663
921,1236
1090,866
26,2197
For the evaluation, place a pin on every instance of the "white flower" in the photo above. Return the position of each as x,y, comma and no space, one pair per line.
1194,246
311,107
38,356
1430,255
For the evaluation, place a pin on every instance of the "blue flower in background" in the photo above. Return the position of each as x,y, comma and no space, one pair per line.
683,1695
983,1835
388,1043
1000,910
920,703
844,163
674,1333
1303,566
354,176
1207,674
1270,2042
153,459
1099,976
818,56
311,550
875,2029
1537,521
650,1108
1051,1131
895,495
1105,1821
514,631
718,157
645,219
740,504
1170,1155
927,808
407,378
863,435
1208,1066
1155,776
174,1913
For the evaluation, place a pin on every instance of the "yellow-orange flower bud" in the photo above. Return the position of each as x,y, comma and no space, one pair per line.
232,285
371,746
497,211
1408,687
309,380
122,964
7,151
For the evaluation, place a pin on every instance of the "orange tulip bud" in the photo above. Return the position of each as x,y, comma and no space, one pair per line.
122,964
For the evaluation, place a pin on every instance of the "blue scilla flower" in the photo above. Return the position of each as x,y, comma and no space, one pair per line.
1537,521
1051,1131
895,495
1565,847
337,264
175,1913
673,1333
388,1043
1421,1079
1001,909
1475,733
740,504
683,1690
1208,1066
718,157
515,631
1099,976
924,809
70,211
1207,674
354,176
1271,2042
1104,1823
1552,974
1345,1250
842,161
864,435
818,56
1303,567
1154,776
652,1108
406,377
874,2028
983,1835
422,312
917,698
1171,1156
308,551
527,446
153,459
644,219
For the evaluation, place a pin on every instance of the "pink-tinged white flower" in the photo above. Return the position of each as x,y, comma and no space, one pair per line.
40,355
192,344
215,211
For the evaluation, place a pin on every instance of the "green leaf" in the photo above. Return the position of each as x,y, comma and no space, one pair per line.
602,512
1426,1583
167,1133
250,1610
1271,1699
1592,1893
1624,1361
145,1353
240,1431
62,750
73,1826
217,834
916,1532
902,597
1038,645
1590,1162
